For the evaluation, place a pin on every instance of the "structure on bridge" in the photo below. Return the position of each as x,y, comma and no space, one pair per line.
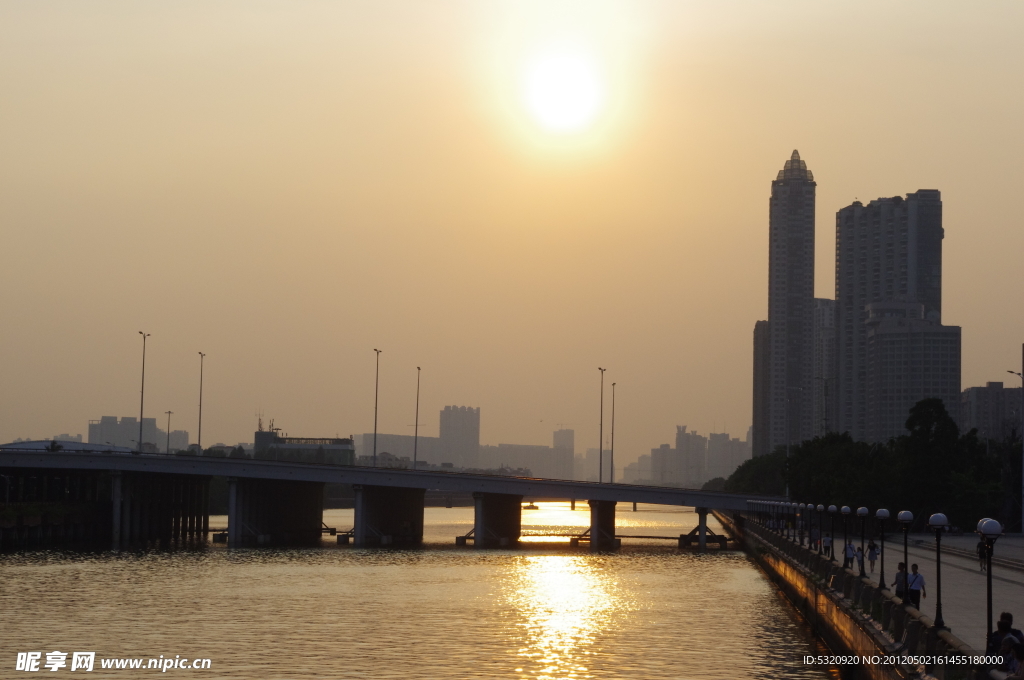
136,500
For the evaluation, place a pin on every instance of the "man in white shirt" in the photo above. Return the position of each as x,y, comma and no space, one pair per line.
826,542
915,586
848,553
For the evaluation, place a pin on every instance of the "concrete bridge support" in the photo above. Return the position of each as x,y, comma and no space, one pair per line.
602,526
274,512
497,520
151,509
702,528
388,515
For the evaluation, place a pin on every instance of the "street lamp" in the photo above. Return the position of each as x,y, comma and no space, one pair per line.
376,393
1021,376
142,398
881,515
416,431
938,523
905,517
168,431
862,512
600,434
611,454
832,533
202,357
846,530
990,530
821,530
800,522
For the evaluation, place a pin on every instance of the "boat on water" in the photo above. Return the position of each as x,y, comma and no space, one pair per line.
530,506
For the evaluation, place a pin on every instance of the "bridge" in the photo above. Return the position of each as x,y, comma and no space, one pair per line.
165,498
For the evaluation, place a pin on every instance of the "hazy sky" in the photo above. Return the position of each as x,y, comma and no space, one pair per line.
288,185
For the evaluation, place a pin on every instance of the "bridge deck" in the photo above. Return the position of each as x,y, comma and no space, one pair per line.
333,474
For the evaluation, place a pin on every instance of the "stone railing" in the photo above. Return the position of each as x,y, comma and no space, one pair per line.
839,599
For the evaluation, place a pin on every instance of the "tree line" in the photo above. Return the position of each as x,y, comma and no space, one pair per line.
931,468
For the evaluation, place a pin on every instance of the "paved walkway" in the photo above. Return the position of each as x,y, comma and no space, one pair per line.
963,583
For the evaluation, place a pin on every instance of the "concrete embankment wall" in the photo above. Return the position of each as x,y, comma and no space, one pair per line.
852,615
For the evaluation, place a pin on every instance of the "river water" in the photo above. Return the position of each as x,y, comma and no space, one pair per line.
647,611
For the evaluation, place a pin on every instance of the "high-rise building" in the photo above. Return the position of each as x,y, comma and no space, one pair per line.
564,439
762,393
666,466
909,358
993,409
692,449
824,364
125,432
791,305
460,436
890,251
725,454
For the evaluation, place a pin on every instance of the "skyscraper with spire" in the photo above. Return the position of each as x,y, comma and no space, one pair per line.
789,369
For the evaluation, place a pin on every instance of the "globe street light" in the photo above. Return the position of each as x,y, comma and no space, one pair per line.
846,531
821,530
1021,376
990,530
881,515
906,518
938,523
832,533
800,523
862,512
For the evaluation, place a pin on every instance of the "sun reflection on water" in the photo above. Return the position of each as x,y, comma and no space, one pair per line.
564,603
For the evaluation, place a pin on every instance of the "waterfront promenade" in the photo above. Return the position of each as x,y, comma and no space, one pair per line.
963,583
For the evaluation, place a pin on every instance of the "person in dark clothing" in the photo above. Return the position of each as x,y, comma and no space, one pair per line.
1008,617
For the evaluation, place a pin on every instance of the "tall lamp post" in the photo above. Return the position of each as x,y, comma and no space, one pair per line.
416,431
611,454
906,518
202,357
600,434
832,532
938,523
800,523
1021,376
142,398
862,512
990,530
376,393
845,510
881,515
821,530
168,431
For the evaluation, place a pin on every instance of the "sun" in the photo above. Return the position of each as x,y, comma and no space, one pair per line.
563,90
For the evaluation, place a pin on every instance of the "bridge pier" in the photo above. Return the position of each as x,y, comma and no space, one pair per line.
388,515
602,526
274,512
498,521
702,528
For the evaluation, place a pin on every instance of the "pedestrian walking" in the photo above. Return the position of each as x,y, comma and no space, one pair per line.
860,559
826,541
901,581
848,553
872,555
982,553
915,586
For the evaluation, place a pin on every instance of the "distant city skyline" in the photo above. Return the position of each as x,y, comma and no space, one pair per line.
385,185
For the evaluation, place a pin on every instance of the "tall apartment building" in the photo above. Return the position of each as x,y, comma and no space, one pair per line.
693,449
460,436
725,454
824,365
993,409
762,394
564,439
889,356
790,326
